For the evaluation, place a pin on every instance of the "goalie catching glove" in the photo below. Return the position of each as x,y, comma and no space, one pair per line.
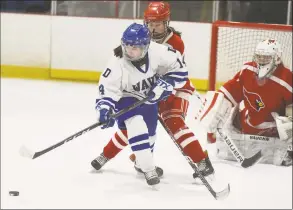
214,111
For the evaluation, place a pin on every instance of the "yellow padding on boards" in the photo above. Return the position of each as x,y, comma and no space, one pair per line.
12,71
200,84
94,76
76,75
219,84
28,72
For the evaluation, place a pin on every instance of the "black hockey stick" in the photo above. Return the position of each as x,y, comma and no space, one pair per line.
217,195
28,153
245,162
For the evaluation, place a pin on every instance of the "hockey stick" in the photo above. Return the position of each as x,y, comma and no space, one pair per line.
245,162
28,153
217,195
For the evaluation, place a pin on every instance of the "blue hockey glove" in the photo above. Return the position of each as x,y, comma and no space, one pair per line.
104,116
161,90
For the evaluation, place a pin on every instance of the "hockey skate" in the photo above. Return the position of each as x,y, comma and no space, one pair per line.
99,162
159,170
206,169
152,178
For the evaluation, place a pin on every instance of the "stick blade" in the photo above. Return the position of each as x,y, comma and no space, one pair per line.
252,160
223,194
25,152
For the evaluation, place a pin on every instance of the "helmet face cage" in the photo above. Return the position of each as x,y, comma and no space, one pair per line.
134,52
267,56
262,59
157,36
135,42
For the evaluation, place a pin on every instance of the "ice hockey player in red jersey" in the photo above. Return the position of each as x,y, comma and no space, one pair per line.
264,119
173,110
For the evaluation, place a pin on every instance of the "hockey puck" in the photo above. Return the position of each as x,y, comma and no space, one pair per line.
13,193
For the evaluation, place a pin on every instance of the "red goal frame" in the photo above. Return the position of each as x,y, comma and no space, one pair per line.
214,41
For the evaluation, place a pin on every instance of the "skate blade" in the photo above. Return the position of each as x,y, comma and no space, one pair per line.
155,187
139,175
92,170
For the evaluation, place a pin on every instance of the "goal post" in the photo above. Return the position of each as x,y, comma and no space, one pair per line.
233,44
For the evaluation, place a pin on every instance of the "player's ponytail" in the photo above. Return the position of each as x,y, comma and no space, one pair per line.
175,32
118,51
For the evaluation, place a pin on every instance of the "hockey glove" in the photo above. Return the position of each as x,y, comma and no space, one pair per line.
287,161
104,116
161,90
284,126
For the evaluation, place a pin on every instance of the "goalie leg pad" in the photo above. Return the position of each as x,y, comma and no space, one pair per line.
232,124
215,111
273,149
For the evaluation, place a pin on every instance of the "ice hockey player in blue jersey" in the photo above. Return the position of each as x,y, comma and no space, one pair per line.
139,68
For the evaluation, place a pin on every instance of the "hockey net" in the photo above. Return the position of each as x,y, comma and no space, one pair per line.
233,44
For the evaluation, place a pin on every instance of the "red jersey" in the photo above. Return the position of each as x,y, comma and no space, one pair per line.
176,42
260,100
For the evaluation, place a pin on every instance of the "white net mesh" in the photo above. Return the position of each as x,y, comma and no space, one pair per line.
236,46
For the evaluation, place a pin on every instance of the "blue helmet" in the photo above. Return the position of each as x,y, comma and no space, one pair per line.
135,41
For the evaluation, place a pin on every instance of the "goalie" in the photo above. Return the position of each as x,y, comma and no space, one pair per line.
254,108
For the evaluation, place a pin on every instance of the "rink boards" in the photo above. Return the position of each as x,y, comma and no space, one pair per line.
78,48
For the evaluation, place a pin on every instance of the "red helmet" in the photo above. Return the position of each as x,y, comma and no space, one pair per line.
157,11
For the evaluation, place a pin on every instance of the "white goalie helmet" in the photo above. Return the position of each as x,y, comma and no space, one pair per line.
267,55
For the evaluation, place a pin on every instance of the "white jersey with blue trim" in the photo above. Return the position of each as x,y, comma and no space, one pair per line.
121,78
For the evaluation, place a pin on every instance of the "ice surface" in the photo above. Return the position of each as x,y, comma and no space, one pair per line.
41,113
